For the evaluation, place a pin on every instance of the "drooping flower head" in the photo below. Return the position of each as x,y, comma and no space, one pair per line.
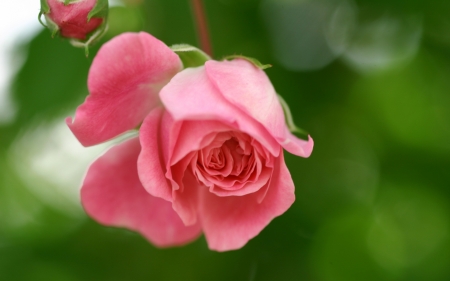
209,156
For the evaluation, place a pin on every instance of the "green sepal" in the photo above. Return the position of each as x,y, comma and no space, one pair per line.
67,2
92,38
100,10
190,55
45,8
53,27
40,20
300,133
254,61
54,32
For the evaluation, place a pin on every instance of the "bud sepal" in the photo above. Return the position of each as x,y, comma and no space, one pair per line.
298,132
190,55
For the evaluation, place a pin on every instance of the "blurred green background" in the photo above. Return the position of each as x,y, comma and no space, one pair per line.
367,78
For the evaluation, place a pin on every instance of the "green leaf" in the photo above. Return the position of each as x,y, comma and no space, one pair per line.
190,55
300,133
255,62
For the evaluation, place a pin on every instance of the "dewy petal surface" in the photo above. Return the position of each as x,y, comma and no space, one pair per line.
124,81
229,222
248,87
113,195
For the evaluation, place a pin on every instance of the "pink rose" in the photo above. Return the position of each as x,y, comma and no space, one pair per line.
210,157
76,19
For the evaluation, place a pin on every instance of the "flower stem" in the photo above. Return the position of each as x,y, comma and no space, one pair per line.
202,26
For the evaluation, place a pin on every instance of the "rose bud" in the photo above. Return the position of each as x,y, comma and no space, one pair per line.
82,21
209,157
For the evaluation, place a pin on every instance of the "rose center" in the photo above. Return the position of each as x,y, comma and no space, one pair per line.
227,160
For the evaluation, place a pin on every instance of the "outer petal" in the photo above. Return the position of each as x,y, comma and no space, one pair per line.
151,164
124,81
155,171
249,88
297,146
191,96
113,195
229,222
185,202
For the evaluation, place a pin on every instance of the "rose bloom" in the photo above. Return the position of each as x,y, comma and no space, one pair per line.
209,156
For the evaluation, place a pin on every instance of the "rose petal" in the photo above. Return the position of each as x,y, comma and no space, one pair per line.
229,222
113,195
154,136
151,164
124,81
194,135
216,160
248,87
176,172
245,188
297,146
191,96
185,202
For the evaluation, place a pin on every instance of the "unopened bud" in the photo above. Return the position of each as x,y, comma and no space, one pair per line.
81,21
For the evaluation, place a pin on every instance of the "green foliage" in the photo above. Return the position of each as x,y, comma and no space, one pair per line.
123,19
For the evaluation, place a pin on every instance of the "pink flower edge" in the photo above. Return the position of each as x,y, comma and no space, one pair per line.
113,195
124,83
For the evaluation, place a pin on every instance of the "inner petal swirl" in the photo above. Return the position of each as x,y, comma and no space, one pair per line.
232,164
